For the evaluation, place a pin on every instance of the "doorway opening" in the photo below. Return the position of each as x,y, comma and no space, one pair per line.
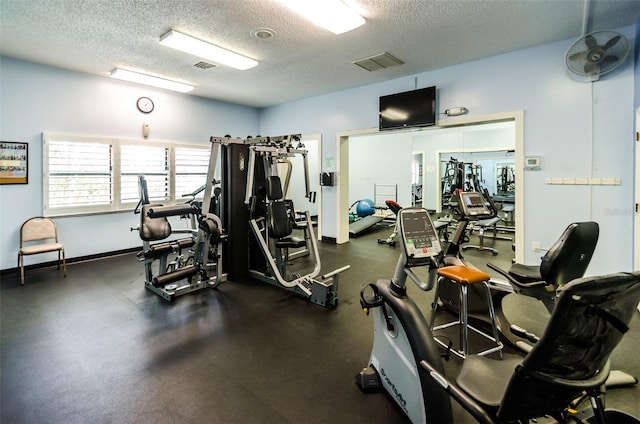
430,166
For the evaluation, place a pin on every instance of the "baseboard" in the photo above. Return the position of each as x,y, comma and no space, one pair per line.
71,260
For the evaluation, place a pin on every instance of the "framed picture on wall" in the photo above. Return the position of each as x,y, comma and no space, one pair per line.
14,161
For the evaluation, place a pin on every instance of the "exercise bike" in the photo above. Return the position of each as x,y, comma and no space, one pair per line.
570,359
401,334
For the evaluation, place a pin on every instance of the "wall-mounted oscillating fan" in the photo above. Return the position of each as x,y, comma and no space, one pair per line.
597,53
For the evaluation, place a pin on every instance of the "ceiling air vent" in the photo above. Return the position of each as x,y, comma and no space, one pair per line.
377,62
204,65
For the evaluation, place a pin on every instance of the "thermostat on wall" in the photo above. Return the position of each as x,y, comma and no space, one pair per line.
532,162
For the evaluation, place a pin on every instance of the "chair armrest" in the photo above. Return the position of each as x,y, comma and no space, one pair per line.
591,383
466,401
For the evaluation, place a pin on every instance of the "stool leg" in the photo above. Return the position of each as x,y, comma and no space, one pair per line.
434,305
492,315
464,327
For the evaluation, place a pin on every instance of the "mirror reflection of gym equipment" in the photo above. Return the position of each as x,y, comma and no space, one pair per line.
489,173
416,179
486,144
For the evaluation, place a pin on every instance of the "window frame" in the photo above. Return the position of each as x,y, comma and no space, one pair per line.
116,205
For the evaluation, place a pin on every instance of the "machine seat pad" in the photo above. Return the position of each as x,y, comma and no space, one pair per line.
153,229
463,274
483,378
290,243
488,222
525,273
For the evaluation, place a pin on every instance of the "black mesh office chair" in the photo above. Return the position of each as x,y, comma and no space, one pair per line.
570,359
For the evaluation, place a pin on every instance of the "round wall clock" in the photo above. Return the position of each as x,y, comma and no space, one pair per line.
145,104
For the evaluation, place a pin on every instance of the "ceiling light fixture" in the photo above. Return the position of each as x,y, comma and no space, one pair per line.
179,41
263,33
131,76
333,15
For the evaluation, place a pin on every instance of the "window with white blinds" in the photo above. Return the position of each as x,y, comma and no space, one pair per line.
94,175
79,174
191,170
155,167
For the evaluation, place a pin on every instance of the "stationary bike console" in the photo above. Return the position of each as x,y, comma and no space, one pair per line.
473,205
419,239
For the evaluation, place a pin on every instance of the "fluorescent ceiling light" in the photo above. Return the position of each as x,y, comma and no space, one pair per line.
149,80
187,44
333,15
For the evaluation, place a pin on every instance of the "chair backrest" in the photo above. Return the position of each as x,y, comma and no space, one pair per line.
587,323
569,257
38,228
280,225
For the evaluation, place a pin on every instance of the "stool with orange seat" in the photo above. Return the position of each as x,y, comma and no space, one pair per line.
465,276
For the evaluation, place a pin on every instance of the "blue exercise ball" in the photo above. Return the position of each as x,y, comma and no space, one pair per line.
365,207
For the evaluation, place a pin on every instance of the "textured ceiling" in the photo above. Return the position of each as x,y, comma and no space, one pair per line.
96,36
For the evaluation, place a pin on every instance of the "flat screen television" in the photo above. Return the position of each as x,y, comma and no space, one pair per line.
416,108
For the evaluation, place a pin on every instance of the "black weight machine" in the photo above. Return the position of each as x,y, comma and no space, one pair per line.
188,264
261,222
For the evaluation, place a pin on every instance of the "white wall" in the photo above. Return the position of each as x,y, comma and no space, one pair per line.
36,99
380,159
579,129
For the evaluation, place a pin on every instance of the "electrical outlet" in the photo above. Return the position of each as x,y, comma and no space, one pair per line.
535,246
